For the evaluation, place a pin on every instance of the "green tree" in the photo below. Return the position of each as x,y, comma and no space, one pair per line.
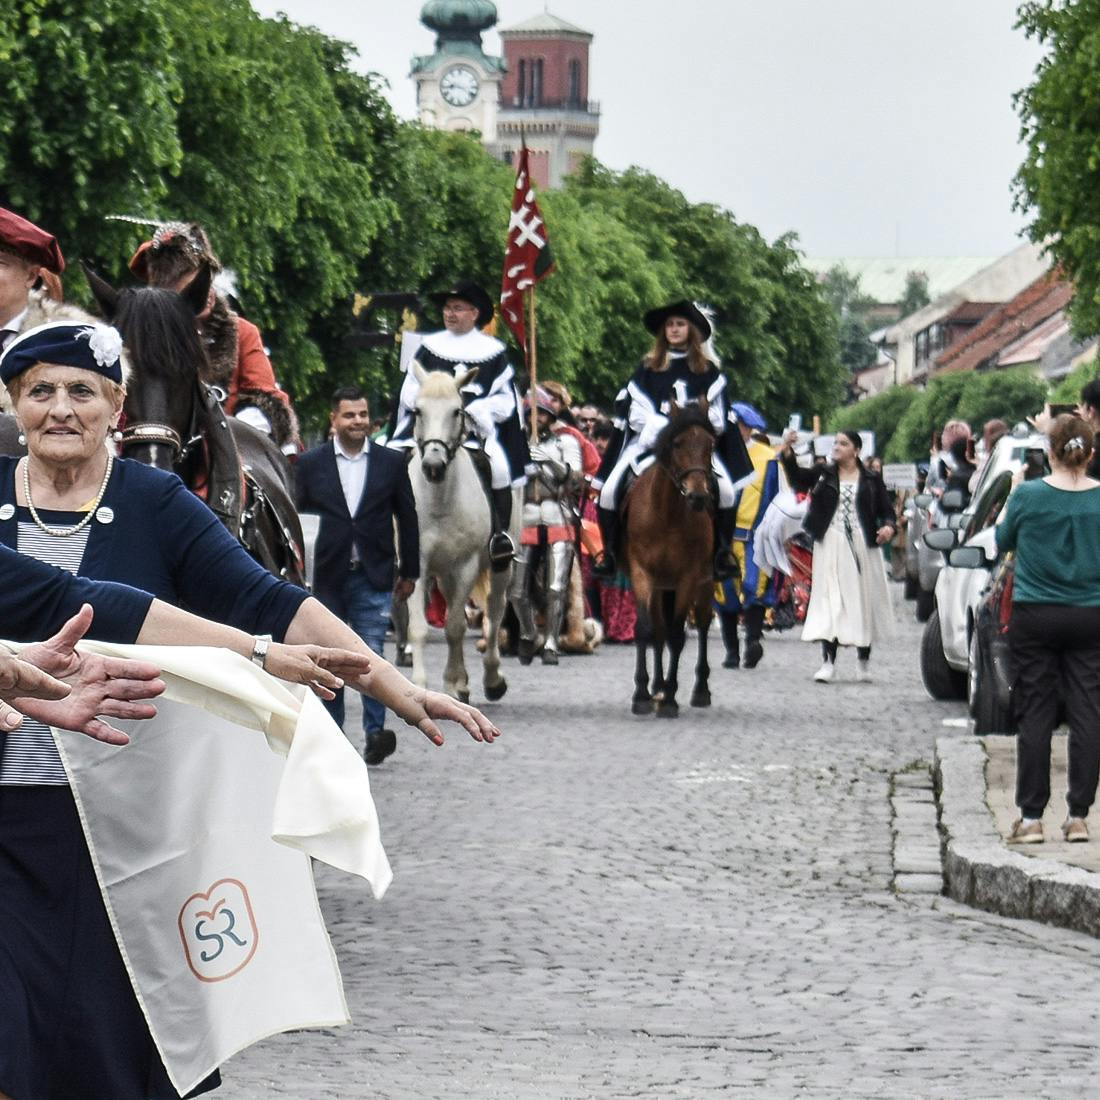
1068,391
852,308
1060,115
915,296
880,414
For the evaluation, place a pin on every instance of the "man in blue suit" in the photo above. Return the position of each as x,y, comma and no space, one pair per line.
358,489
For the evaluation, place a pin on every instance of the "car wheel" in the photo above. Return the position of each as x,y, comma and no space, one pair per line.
912,587
926,604
940,680
989,715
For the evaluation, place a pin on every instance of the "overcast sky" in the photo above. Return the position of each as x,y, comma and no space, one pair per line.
869,127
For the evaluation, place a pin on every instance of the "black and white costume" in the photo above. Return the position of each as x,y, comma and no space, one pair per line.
491,400
641,411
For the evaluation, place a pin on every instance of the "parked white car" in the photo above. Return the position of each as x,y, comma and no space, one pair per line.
945,644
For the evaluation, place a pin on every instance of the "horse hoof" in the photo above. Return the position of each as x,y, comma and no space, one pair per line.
549,657
493,692
668,710
641,706
463,696
403,659
700,699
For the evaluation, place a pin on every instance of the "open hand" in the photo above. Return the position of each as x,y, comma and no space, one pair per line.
322,669
434,704
94,686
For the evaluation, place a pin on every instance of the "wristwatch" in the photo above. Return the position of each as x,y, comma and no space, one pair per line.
259,649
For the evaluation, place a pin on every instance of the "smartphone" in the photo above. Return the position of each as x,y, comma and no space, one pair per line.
1063,410
794,423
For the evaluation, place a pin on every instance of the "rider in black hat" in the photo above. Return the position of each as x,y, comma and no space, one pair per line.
681,368
492,403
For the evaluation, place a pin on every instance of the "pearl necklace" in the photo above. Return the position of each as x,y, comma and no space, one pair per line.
64,532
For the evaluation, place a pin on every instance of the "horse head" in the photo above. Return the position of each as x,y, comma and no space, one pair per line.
165,396
440,419
684,450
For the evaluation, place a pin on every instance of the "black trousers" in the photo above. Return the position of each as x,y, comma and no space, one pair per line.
1055,654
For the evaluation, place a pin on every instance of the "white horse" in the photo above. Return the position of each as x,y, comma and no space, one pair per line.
455,525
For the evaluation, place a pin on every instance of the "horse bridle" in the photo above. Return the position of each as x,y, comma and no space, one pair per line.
678,477
449,449
149,431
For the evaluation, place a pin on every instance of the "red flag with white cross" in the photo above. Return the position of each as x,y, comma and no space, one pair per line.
527,256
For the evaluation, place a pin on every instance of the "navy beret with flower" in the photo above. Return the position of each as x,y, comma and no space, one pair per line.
92,347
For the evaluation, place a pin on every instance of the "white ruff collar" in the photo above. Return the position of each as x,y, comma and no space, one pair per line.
474,347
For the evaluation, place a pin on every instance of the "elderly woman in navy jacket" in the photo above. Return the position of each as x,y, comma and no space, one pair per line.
69,502
849,518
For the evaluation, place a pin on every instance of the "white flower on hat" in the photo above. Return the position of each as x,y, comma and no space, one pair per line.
105,343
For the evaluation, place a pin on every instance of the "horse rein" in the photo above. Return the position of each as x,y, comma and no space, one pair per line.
677,477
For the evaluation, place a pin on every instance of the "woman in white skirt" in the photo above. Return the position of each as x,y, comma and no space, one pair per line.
849,518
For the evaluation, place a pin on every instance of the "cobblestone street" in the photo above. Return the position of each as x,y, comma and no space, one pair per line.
608,906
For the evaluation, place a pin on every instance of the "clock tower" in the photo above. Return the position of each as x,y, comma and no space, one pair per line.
458,86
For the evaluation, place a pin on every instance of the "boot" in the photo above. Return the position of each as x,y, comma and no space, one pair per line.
501,547
728,622
605,565
754,632
725,564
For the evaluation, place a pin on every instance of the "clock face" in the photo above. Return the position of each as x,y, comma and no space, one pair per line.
459,86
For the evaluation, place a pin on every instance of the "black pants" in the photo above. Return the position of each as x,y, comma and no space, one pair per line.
1055,654
829,651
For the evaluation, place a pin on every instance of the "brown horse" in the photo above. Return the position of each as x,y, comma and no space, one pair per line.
669,550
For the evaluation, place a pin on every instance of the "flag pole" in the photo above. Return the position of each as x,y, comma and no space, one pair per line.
533,367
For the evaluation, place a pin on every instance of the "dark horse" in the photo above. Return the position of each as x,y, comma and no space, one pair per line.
174,421
670,554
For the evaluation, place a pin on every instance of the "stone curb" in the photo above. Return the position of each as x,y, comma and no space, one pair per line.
980,871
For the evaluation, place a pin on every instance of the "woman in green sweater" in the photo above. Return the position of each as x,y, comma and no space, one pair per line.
1053,524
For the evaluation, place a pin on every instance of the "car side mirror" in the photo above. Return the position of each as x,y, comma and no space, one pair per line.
952,501
942,539
923,500
967,557
956,520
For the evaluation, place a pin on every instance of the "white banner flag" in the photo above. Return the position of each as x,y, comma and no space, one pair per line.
201,832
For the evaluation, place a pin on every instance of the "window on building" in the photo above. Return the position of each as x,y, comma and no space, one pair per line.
574,83
507,157
536,83
521,85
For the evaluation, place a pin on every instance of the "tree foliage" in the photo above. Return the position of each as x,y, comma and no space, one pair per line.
852,309
313,190
1060,115
880,414
915,296
1009,395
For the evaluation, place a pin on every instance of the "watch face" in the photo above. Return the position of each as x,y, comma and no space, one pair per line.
459,86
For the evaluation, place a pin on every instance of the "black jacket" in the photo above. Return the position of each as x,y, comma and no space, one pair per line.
873,507
387,494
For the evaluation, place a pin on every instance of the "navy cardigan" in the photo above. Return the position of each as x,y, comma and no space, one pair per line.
161,538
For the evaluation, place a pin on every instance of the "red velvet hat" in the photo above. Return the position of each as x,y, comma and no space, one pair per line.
35,245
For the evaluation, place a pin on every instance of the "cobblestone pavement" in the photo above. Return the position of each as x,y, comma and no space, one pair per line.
608,906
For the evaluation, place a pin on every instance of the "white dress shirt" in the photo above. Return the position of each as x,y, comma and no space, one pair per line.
352,469
9,331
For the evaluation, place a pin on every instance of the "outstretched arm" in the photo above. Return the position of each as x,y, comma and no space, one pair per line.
418,707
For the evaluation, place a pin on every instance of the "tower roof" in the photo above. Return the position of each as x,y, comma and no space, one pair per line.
459,20
545,23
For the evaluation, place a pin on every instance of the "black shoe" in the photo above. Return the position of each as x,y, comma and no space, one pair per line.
604,565
501,551
753,652
380,744
725,565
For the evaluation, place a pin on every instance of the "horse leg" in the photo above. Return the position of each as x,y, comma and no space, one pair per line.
402,653
642,703
495,685
418,629
704,612
456,591
659,602
676,632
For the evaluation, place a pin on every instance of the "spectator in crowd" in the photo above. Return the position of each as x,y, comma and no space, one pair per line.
588,416
962,469
942,458
991,433
850,516
1089,410
1053,524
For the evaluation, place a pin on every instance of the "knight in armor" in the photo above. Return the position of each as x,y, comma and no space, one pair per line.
491,401
681,368
549,528
239,365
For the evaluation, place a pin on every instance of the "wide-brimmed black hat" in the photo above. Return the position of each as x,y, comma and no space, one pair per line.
470,292
656,318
